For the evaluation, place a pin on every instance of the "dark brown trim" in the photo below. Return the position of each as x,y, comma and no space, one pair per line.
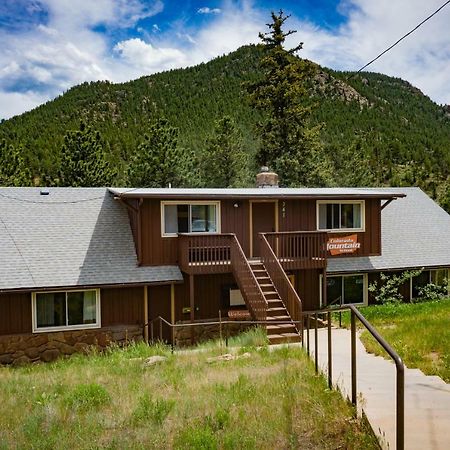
386,203
388,269
90,286
208,196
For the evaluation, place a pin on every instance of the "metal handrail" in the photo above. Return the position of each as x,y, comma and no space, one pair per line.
400,368
355,313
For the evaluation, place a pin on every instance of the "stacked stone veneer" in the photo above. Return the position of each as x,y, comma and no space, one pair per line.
19,349
183,335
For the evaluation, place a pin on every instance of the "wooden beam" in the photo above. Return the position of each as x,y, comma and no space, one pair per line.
172,303
324,288
172,312
146,314
192,306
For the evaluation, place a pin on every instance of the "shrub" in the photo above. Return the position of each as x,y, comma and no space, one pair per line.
155,411
432,292
88,396
387,290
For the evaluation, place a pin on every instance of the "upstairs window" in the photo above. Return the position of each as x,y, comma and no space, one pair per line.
340,216
54,311
190,218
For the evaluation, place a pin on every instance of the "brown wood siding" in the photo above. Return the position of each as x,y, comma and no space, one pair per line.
122,306
237,221
159,306
307,284
293,215
15,313
300,215
134,224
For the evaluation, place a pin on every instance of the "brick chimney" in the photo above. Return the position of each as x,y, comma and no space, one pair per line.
266,178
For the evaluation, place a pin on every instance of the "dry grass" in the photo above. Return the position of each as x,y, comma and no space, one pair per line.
270,400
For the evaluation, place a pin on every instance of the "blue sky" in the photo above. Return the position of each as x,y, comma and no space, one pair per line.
50,45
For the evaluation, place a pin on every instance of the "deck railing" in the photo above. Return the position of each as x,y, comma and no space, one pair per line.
299,250
280,280
205,253
247,282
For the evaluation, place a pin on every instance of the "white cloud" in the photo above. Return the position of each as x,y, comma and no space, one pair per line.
207,10
66,50
423,58
145,58
13,103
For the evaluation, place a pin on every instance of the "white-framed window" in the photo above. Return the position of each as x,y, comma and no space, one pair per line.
351,289
343,215
436,276
189,217
65,310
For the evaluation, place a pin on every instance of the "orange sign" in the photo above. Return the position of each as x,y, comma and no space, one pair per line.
344,244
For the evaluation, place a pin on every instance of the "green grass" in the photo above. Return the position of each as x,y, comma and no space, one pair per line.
272,399
419,333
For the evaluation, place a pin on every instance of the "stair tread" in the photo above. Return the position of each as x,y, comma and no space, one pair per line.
281,318
280,326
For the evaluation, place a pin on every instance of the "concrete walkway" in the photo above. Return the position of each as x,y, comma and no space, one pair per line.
427,398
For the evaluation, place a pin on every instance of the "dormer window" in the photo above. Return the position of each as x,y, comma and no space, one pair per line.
340,216
189,217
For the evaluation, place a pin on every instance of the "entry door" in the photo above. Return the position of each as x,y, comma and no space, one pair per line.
263,221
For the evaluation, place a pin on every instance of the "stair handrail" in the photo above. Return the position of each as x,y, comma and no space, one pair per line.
280,280
247,282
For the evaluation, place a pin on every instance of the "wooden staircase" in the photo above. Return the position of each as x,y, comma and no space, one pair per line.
276,311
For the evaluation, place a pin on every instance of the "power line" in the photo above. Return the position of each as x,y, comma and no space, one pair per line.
18,249
401,39
64,202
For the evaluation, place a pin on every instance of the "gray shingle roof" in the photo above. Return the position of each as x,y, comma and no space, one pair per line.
72,237
415,232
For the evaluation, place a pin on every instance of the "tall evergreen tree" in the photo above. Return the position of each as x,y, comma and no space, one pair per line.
83,160
288,143
159,161
13,168
224,162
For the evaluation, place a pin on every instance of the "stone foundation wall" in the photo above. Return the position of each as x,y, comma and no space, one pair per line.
202,333
19,349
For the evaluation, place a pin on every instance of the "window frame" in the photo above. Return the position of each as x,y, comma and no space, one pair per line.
361,229
216,204
365,301
97,324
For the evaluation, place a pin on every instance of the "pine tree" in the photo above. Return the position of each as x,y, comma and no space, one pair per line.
288,143
13,168
159,161
83,160
224,162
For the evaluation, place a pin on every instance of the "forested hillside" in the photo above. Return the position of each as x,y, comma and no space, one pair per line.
377,130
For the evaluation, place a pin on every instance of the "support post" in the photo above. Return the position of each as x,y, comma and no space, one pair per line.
172,313
353,353
316,344
324,287
146,314
330,355
192,306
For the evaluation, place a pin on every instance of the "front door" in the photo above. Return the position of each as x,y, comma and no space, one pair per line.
263,221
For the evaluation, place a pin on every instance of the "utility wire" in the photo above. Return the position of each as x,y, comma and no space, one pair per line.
401,39
18,249
62,202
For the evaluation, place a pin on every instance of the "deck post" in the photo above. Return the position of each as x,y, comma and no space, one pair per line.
324,287
146,314
172,312
192,306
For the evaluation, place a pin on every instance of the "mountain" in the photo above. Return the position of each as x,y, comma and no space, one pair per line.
399,134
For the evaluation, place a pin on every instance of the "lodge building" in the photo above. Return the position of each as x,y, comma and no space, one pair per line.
83,266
